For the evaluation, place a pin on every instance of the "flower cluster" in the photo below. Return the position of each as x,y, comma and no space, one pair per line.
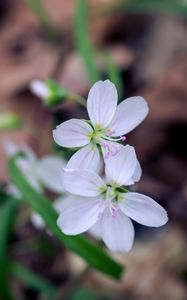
105,205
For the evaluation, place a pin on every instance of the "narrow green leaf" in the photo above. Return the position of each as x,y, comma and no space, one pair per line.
31,279
82,41
7,213
113,72
93,254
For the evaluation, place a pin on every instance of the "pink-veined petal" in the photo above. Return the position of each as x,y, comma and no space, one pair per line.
109,148
78,215
48,170
143,210
117,232
129,114
72,133
82,182
120,168
87,157
102,103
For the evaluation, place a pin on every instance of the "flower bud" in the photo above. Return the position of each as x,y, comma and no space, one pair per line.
49,92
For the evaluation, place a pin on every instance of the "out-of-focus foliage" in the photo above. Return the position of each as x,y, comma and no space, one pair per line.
31,279
84,294
113,73
93,254
82,41
7,216
9,121
45,20
153,6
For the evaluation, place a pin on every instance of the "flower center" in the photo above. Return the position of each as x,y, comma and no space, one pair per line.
111,195
99,133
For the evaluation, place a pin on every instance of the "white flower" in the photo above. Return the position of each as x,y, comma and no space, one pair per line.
108,124
38,172
108,206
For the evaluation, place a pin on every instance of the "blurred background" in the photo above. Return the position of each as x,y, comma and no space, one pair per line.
142,47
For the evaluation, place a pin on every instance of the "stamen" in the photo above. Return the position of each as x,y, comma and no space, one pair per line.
123,138
112,139
111,132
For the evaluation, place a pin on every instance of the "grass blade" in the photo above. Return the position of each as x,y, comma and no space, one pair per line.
83,43
31,279
7,213
154,6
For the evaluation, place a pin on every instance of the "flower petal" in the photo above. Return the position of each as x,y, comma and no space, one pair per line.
102,103
82,182
117,232
48,170
95,230
86,158
109,148
143,210
78,215
136,176
72,133
58,203
138,172
120,168
129,114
